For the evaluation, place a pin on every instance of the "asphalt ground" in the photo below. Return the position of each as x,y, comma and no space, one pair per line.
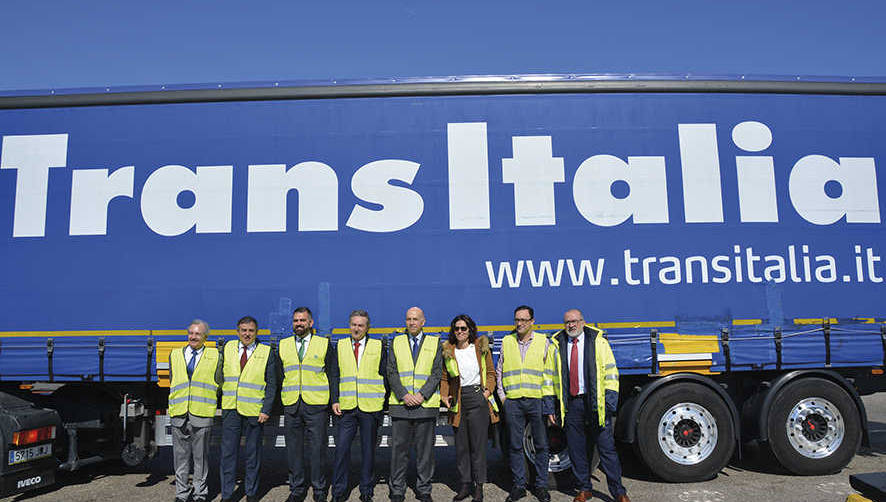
756,476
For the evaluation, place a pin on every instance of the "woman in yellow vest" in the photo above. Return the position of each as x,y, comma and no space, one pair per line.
466,385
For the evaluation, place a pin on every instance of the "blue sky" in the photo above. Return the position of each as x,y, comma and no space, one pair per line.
64,44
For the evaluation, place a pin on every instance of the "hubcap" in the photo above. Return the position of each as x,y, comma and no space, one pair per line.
815,427
687,433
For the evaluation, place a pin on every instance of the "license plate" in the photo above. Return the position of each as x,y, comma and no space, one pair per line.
28,454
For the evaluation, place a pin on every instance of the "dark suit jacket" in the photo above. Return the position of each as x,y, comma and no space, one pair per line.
271,380
330,367
589,369
427,390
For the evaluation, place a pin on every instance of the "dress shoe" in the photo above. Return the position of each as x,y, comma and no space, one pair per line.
583,496
365,497
296,497
477,496
425,498
226,500
463,492
397,498
623,498
321,497
516,494
252,498
180,500
199,499
542,494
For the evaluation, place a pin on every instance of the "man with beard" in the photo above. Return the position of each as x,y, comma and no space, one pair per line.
310,377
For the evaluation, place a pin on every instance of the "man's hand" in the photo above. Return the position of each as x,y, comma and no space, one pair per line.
418,398
552,420
263,417
336,408
409,400
446,400
487,393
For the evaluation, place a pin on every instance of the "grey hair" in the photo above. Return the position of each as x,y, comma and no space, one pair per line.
202,323
360,313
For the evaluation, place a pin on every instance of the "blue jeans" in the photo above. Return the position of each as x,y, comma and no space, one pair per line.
233,425
519,414
583,431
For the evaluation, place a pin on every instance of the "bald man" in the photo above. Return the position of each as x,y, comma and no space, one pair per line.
415,366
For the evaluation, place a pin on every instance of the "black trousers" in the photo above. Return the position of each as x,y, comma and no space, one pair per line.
306,445
471,436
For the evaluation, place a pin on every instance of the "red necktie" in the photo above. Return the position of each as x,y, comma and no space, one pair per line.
243,359
357,352
573,368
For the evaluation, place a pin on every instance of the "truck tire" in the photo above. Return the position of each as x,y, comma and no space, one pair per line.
685,433
814,427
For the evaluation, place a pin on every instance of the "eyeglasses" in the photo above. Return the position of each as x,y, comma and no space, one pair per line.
521,320
460,328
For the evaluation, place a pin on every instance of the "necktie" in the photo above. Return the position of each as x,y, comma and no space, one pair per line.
191,363
414,347
301,349
573,368
357,352
243,358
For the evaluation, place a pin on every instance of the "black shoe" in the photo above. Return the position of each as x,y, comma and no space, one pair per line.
296,497
252,498
321,497
542,494
397,498
199,499
425,498
478,493
180,500
365,497
342,498
516,494
463,492
226,500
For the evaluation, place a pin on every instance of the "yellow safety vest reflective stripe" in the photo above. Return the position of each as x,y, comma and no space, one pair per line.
530,377
245,391
413,376
197,396
360,386
304,378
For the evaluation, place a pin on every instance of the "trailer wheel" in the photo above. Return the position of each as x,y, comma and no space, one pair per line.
685,433
813,427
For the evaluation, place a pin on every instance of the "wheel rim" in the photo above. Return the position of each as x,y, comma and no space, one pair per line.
687,433
815,427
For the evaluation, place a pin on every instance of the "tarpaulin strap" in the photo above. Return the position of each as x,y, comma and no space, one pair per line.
150,347
778,340
101,359
727,355
50,348
883,338
827,343
653,347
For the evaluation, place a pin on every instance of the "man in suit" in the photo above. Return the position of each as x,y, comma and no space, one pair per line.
193,399
249,388
415,366
362,363
310,378
588,393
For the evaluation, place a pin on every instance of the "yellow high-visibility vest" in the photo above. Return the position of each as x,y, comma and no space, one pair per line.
199,395
530,377
305,378
360,387
244,391
413,376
